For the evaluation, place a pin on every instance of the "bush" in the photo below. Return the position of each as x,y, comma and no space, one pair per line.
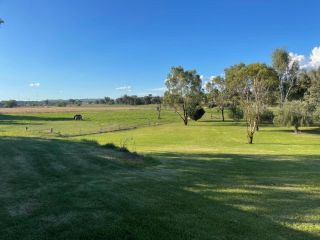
316,114
267,116
196,113
295,114
235,113
116,148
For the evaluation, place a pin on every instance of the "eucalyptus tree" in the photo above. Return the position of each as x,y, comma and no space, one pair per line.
262,80
251,84
217,93
287,71
184,91
313,94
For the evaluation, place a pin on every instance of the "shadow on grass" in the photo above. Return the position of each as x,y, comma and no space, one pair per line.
54,189
312,130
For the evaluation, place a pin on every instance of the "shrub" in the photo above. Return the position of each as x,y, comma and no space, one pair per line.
235,112
116,148
316,114
196,113
267,116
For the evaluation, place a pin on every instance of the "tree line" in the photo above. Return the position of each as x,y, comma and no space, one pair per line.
248,91
123,100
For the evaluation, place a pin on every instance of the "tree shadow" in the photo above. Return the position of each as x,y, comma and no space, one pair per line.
54,188
313,130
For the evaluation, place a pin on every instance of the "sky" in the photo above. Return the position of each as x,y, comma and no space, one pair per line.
57,49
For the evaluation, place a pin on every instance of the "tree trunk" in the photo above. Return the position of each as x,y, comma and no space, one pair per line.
250,139
222,114
159,111
185,121
257,127
296,129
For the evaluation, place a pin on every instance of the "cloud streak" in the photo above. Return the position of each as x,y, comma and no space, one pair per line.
124,88
34,84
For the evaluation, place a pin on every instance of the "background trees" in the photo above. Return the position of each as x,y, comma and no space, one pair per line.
10,104
287,71
184,92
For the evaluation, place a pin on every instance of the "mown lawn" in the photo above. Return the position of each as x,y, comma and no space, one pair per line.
202,182
63,125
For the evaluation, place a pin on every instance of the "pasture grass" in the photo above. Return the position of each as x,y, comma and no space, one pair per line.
196,182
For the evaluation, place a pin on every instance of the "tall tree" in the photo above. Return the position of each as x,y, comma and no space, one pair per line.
313,94
251,85
184,92
287,71
217,93
261,80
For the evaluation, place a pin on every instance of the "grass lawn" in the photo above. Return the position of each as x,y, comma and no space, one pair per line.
202,182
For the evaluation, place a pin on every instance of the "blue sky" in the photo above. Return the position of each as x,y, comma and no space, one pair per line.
84,49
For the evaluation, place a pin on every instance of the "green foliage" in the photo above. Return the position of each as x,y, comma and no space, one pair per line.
280,60
313,94
10,104
61,104
267,116
184,90
316,114
287,73
217,94
235,112
295,114
196,112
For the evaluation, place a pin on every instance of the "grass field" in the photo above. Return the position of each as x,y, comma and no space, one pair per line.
196,182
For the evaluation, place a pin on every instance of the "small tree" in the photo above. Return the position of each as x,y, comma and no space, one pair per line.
261,80
249,85
217,94
184,91
251,119
295,114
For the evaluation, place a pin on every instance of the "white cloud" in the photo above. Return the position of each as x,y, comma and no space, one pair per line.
34,85
297,58
124,88
315,57
160,89
313,61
